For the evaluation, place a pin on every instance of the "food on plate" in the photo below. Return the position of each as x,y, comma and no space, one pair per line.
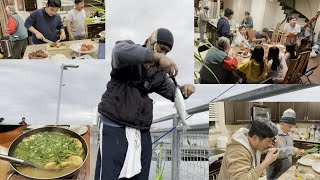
86,47
52,151
57,45
39,54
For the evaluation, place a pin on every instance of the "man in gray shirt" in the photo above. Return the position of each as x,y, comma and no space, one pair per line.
76,22
202,21
247,22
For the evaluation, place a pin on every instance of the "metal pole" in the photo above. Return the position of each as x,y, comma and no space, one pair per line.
175,150
59,96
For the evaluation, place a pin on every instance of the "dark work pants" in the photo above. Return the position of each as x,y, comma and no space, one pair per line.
114,149
18,48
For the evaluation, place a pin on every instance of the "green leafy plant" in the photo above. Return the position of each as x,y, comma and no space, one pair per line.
199,59
99,9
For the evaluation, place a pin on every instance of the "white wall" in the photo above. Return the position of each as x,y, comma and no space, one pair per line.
273,15
308,7
258,11
239,7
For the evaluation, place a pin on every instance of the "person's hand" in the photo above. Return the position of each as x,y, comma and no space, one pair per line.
271,156
188,89
166,63
263,40
298,152
39,35
276,142
63,36
71,38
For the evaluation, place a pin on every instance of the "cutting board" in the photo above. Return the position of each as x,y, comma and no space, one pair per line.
48,48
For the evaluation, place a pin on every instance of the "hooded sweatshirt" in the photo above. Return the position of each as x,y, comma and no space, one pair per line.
240,161
284,161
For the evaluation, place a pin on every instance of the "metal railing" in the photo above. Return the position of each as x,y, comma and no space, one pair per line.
180,155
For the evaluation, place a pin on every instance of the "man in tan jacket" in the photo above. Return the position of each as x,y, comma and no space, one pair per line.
242,157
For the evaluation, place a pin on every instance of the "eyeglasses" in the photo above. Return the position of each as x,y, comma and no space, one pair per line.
273,141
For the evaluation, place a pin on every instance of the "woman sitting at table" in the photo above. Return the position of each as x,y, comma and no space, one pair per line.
289,54
277,67
241,39
218,64
255,70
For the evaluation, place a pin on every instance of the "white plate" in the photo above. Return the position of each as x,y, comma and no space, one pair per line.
316,167
306,162
77,48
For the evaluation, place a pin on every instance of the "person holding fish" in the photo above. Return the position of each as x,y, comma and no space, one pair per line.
126,109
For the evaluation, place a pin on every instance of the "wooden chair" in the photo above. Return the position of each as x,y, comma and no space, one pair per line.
250,34
278,37
296,69
288,78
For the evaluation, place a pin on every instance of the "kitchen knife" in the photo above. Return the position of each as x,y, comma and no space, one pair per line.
46,40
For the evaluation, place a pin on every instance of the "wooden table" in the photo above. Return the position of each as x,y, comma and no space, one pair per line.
7,138
265,47
67,52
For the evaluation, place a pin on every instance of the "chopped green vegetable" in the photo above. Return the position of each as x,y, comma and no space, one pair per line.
302,171
48,147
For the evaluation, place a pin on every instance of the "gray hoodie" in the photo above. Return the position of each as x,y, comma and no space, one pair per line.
284,161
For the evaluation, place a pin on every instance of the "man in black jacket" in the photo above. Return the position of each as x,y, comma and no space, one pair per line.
125,106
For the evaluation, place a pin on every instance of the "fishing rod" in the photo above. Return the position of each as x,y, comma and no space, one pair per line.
173,128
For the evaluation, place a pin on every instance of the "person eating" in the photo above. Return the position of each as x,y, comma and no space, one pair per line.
286,148
277,66
241,39
219,64
247,21
44,23
255,70
242,157
260,37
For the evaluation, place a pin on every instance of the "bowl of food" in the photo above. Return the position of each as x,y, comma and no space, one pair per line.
246,54
239,53
84,48
59,152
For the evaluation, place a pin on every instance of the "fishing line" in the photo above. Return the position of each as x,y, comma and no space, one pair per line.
166,133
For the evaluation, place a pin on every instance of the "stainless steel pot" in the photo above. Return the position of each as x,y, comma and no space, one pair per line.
6,45
15,143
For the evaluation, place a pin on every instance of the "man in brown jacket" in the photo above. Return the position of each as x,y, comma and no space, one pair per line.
242,157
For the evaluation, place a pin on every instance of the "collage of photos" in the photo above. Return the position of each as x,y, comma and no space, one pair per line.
109,90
